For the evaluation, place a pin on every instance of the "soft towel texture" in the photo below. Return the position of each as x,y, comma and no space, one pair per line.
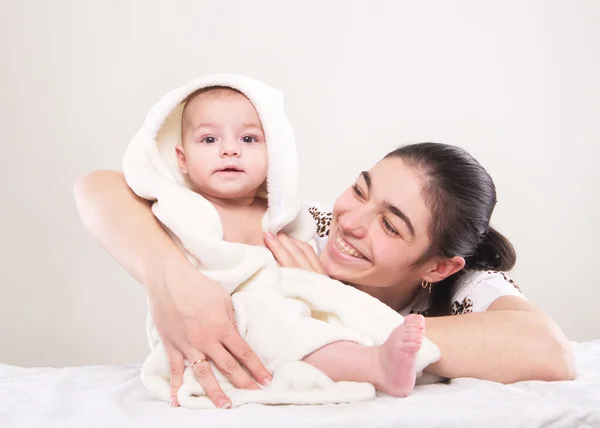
283,314
113,396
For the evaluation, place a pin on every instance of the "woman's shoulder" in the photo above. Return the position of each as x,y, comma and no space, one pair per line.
474,292
477,290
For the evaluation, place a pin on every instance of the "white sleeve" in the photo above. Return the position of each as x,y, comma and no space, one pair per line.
478,289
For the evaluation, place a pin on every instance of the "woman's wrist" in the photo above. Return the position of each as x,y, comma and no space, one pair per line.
161,275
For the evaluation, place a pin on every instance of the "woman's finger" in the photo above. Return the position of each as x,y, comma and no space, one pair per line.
240,349
281,254
294,250
310,254
176,368
203,372
229,366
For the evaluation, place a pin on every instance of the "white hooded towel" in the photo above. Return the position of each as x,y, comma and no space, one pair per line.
284,314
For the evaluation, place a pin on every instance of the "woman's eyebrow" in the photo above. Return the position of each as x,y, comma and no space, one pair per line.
400,214
391,208
367,178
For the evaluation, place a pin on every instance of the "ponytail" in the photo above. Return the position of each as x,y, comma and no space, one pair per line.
495,252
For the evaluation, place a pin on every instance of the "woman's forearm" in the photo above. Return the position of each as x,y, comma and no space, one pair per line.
124,225
501,345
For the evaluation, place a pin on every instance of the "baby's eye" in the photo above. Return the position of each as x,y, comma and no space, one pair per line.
209,140
249,139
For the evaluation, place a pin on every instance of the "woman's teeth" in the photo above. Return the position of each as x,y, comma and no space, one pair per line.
347,249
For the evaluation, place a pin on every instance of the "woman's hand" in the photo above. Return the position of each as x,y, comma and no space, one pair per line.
194,317
192,313
290,252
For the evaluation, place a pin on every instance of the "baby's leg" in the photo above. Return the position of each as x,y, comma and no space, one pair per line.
389,367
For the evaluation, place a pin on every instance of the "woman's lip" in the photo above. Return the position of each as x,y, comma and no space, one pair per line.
343,257
345,247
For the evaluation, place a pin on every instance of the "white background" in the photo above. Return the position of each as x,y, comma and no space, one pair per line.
514,82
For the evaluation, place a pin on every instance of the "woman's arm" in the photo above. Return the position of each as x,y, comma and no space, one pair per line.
192,313
512,341
124,225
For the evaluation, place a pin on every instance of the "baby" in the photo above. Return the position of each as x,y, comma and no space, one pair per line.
223,155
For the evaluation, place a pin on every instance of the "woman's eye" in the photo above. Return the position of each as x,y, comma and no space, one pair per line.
249,139
356,190
209,140
389,227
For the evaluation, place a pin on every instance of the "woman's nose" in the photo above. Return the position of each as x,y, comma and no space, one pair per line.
354,223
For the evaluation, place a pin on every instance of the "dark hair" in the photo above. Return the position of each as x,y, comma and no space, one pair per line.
461,196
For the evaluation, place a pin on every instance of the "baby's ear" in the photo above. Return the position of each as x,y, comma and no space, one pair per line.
181,159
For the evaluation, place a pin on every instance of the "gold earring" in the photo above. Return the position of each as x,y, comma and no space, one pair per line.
426,284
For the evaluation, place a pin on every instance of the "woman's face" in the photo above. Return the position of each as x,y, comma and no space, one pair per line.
379,230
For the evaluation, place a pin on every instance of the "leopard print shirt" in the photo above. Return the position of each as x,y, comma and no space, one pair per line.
323,220
475,292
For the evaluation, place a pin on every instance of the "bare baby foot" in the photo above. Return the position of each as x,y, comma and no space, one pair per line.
395,360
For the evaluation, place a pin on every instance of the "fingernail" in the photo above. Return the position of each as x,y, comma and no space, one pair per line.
224,404
266,381
270,236
173,402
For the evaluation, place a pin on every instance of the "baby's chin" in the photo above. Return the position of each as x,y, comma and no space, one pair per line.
227,193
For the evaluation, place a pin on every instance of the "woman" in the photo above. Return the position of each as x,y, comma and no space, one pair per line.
413,231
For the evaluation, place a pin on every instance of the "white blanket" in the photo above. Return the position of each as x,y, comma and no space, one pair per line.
283,314
103,396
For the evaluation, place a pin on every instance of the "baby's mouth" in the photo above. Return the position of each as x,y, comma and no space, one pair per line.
230,169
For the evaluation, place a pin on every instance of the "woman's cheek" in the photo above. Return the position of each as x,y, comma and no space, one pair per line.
386,254
329,266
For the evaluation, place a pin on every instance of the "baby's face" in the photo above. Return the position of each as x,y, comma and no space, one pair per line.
224,152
